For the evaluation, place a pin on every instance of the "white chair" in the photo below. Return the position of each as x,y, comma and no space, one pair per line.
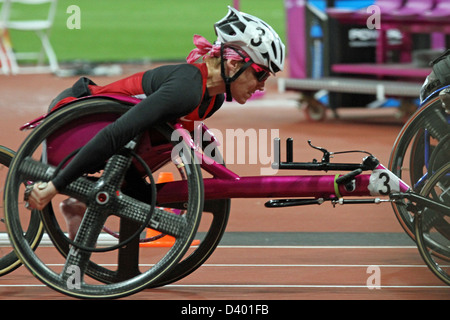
4,37
40,26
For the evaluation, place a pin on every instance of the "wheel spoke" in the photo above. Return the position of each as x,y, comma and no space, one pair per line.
88,232
115,170
130,208
168,223
37,171
162,220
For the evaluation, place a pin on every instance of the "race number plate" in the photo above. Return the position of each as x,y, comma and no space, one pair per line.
383,182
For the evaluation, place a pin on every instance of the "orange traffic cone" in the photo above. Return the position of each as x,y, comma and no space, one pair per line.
165,241
164,177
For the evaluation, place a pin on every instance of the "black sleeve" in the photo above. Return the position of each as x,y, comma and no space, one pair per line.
174,93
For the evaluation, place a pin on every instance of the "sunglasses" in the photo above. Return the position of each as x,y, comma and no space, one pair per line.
261,73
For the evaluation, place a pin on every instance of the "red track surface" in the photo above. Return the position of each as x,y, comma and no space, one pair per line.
264,273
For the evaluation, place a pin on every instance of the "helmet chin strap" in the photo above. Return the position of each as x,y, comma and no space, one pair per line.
229,80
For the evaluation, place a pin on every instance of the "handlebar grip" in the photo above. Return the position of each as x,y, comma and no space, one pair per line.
346,178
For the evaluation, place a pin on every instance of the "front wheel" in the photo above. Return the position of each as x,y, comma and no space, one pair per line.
126,270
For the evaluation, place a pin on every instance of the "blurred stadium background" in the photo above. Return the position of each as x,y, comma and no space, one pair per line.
141,30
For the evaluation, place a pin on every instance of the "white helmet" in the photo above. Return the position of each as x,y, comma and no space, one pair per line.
254,36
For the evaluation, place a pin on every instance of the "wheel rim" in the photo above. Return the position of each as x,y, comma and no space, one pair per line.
409,155
60,280
432,228
8,259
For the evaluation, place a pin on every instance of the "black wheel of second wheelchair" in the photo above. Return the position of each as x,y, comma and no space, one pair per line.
432,227
8,259
412,151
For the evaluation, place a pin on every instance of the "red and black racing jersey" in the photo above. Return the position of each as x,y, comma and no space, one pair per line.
169,93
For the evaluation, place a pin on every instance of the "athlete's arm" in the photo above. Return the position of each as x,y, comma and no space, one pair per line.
175,97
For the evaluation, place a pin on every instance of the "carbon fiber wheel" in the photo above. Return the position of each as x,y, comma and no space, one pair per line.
212,226
123,271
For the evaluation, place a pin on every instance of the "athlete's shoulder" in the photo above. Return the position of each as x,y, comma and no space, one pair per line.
182,78
175,70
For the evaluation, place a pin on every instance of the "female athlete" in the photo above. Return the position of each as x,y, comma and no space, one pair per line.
246,53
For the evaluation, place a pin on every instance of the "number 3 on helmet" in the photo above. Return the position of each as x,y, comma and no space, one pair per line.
254,36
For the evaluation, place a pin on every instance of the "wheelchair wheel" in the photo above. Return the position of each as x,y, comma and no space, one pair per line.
432,227
213,220
412,151
313,109
78,272
8,259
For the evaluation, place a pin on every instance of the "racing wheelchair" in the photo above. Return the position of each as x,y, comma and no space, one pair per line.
416,183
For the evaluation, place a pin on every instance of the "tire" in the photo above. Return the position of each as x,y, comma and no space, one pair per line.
80,274
412,150
432,228
8,259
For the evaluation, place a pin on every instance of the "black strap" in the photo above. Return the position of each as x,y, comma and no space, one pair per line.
229,80
81,87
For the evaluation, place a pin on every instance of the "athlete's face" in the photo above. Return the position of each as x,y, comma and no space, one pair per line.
246,85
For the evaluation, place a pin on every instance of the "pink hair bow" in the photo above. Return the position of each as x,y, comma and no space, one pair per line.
204,47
